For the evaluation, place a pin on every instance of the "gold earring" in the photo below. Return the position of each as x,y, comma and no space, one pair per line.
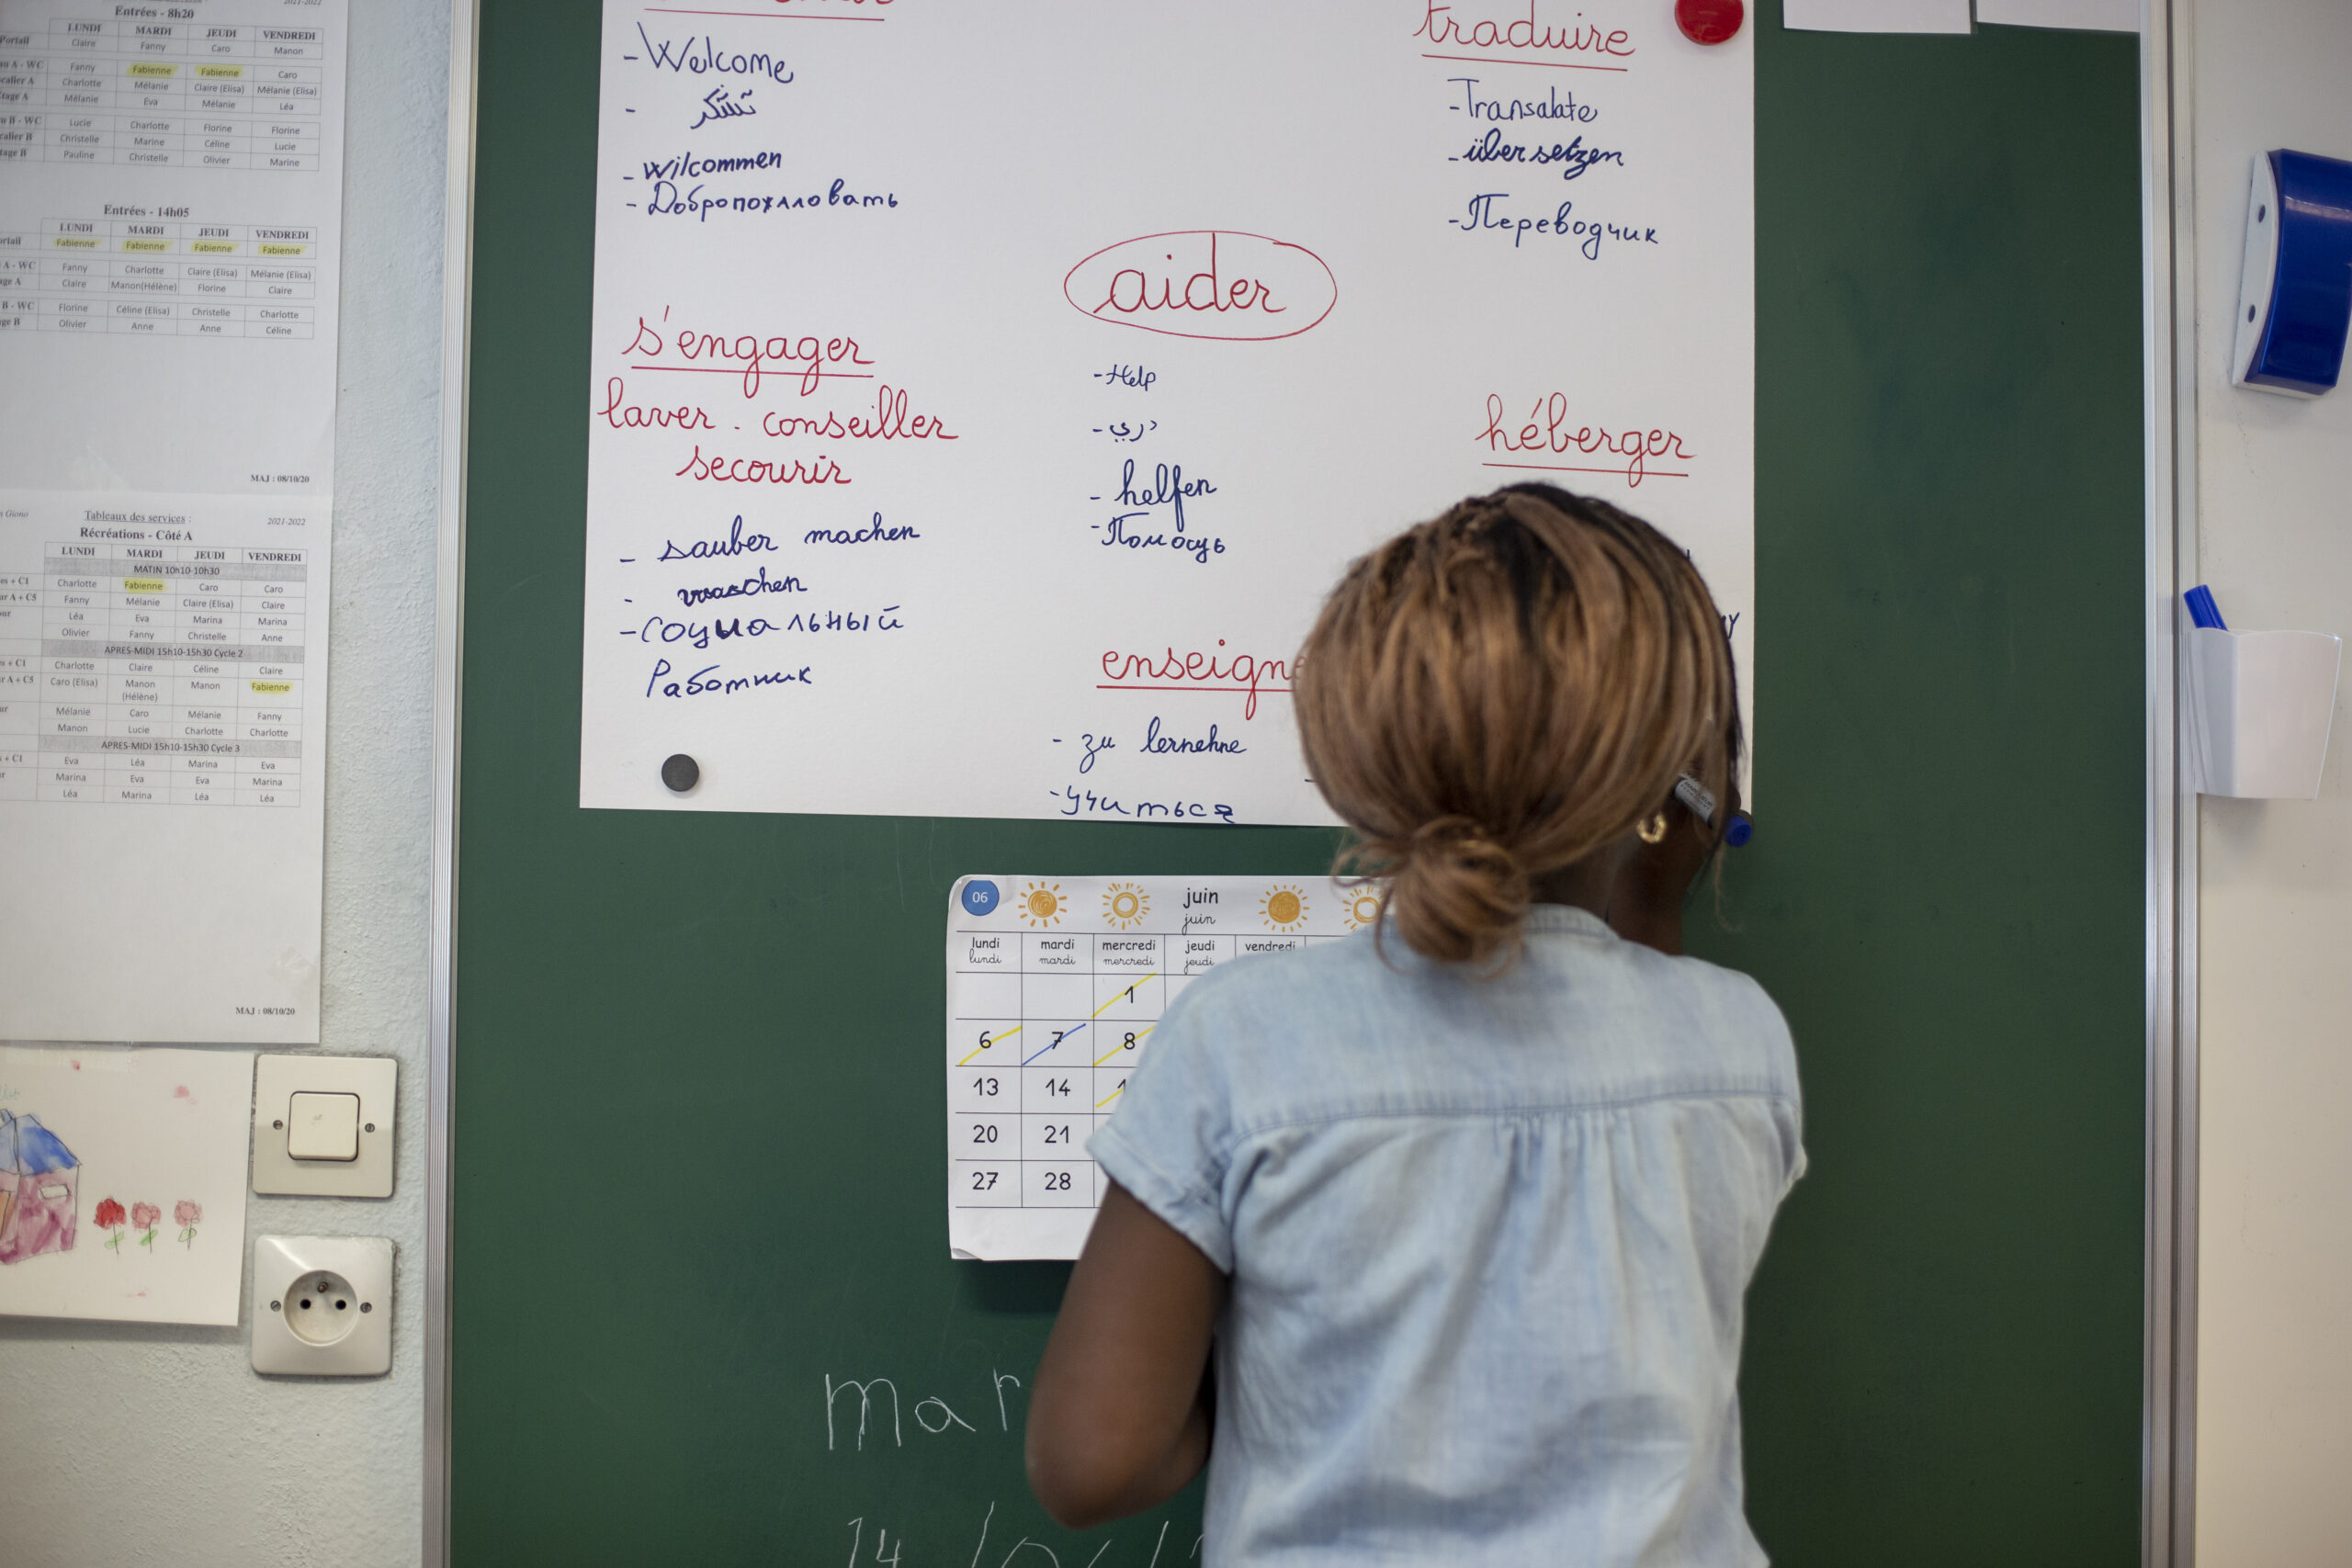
1654,831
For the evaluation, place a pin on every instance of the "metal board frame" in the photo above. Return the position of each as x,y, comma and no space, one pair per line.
2168,1407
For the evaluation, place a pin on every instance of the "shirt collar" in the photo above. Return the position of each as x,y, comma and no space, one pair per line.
1568,917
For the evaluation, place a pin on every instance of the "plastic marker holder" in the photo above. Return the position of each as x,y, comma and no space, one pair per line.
2260,705
2295,296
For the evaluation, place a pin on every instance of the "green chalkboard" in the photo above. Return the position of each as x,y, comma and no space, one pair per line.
680,1210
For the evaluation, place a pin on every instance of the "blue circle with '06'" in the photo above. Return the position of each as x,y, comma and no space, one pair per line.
979,897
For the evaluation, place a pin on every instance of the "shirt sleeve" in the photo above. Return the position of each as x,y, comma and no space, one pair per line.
1169,1143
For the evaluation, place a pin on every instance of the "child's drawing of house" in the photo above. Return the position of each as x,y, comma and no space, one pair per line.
40,1185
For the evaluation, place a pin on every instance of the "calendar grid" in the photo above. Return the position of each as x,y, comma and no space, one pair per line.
1055,988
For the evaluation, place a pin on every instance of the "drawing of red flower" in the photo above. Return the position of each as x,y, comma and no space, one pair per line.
145,1217
187,1214
109,1218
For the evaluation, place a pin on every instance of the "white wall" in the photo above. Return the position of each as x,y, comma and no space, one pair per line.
128,1444
2273,1354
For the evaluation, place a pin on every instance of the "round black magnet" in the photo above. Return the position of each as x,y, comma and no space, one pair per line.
680,773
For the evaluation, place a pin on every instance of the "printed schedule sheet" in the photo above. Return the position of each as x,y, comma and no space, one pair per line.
171,187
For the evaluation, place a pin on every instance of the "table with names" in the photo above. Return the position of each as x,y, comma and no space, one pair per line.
153,674
175,93
157,278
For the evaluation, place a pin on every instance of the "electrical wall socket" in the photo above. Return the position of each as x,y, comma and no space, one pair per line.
322,1304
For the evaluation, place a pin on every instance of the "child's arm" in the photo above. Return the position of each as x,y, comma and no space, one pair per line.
1119,1413
1645,903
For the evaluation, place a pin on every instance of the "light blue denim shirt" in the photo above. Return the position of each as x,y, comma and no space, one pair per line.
1489,1240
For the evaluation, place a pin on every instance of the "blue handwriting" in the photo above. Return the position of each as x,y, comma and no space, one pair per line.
1200,547
707,681
1551,107
1157,744
666,201
1076,802
737,543
875,534
698,634
673,57
718,105
1168,487
1587,232
762,584
1574,158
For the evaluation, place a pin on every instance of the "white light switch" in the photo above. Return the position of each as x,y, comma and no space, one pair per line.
323,1126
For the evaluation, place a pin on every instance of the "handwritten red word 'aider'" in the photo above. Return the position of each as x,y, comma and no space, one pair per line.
1204,283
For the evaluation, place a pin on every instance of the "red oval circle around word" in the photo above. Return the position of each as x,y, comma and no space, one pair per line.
1709,21
1204,283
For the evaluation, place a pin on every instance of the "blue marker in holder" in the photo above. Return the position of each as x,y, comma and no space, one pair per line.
2295,299
2202,611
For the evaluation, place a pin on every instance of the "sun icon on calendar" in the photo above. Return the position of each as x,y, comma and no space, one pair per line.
1124,904
1042,905
1284,907
1363,907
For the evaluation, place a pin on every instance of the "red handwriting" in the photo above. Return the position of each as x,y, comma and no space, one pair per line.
716,470
755,353
1204,283
1439,26
1546,429
1196,671
890,422
624,415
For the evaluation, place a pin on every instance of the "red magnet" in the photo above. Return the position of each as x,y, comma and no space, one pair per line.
1709,21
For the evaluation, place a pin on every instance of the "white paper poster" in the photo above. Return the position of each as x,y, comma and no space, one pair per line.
1877,15
122,1182
1055,985
2090,16
171,182
984,397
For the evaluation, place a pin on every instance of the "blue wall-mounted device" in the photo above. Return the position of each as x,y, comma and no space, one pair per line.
2296,298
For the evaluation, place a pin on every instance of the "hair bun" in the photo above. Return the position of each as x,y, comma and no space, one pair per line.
1457,894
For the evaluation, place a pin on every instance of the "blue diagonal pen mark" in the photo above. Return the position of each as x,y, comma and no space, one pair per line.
1051,1044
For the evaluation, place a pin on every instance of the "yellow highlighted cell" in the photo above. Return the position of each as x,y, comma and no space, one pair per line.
998,1041
225,72
213,247
74,242
277,249
151,68
147,245
143,585
271,688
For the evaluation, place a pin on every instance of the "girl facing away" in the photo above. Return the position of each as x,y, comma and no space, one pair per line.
1463,1208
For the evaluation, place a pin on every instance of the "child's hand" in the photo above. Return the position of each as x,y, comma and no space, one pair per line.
1645,905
